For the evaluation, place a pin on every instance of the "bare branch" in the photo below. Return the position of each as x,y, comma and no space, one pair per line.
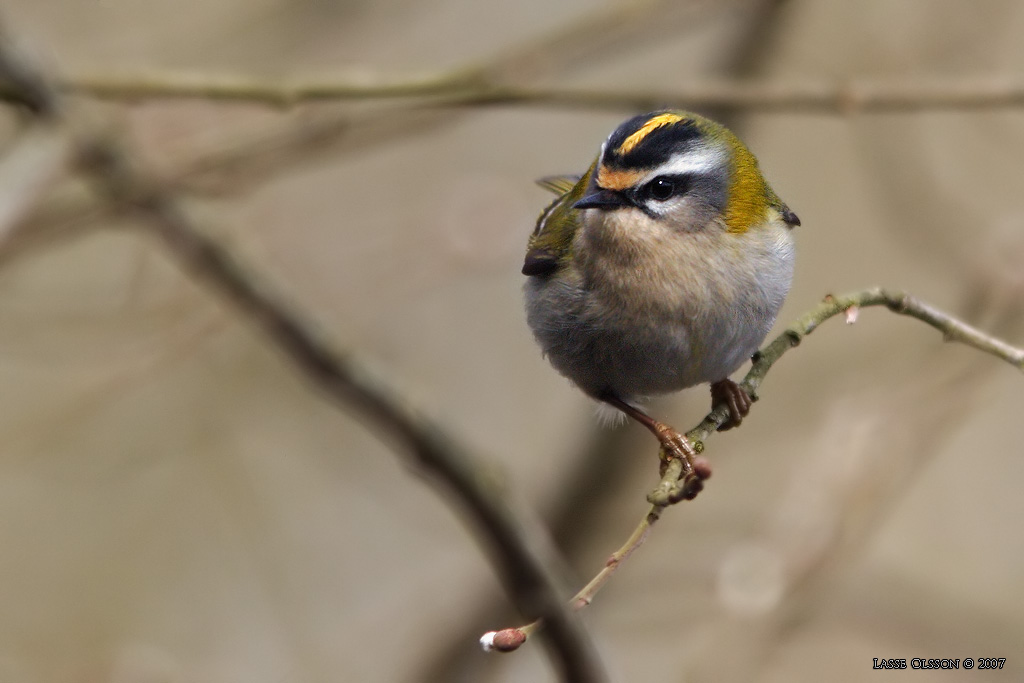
477,87
597,33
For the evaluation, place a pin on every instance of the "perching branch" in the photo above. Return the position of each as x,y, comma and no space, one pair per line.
896,301
521,558
672,490
472,88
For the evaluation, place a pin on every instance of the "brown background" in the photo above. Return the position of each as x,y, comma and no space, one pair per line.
176,505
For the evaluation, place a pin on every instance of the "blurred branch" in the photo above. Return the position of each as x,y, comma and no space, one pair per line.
601,34
597,34
56,221
476,87
671,489
520,557
244,163
29,169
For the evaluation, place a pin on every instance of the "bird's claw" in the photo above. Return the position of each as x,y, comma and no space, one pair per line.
733,395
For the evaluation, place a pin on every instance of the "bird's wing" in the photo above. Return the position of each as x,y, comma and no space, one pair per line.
559,184
550,244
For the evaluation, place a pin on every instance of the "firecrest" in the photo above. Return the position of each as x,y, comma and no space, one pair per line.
662,267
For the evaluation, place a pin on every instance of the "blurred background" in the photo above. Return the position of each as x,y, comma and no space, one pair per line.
177,505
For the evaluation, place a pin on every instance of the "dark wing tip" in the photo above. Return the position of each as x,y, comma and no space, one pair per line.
789,217
539,263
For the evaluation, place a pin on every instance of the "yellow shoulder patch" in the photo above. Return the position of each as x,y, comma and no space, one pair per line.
652,124
748,192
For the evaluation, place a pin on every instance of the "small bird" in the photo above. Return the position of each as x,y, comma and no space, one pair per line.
661,268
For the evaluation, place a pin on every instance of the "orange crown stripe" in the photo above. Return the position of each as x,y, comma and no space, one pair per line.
652,124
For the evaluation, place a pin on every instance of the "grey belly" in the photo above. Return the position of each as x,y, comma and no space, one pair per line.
627,362
635,360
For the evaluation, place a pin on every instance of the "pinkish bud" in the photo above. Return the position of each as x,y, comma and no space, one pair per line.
506,640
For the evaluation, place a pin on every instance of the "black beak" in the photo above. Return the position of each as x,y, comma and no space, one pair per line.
607,200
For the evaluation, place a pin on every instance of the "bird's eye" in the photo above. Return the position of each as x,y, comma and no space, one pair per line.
661,188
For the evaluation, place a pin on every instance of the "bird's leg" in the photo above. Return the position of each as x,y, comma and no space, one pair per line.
732,394
673,444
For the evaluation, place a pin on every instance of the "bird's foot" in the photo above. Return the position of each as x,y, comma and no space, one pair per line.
675,446
732,394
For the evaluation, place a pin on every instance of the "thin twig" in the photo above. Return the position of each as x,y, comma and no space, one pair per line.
671,489
521,558
635,540
896,301
476,87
